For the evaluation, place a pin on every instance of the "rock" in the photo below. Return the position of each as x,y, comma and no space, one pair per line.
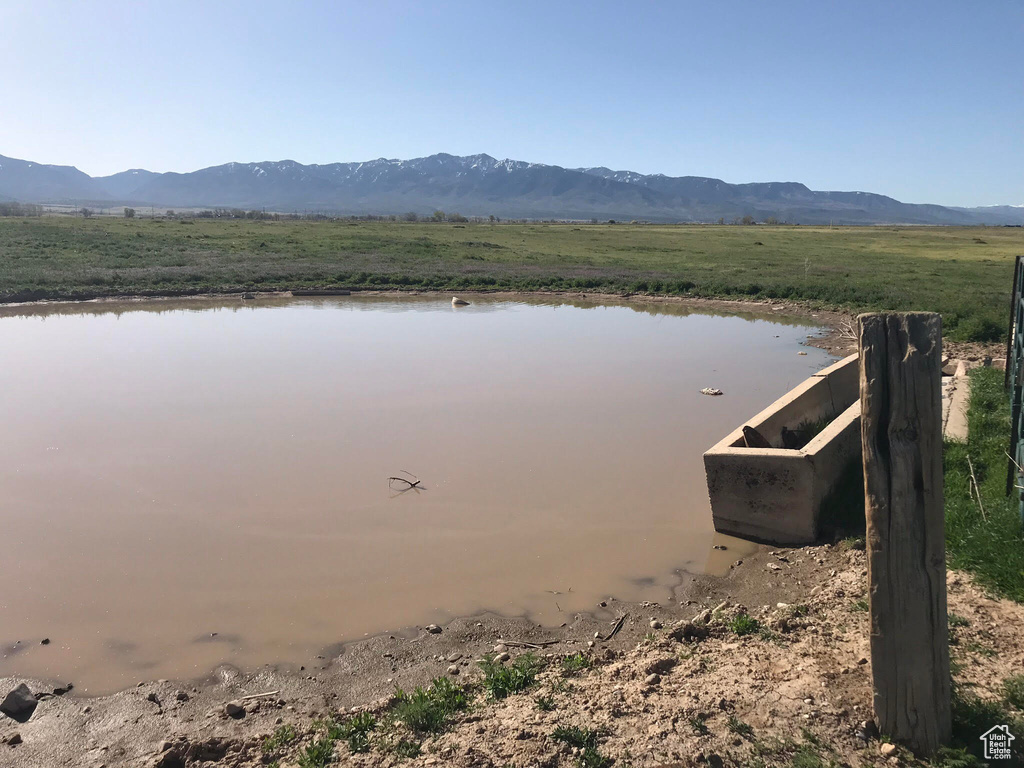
19,704
500,648
867,730
862,661
887,750
153,698
703,617
14,739
503,657
661,666
433,629
86,710
688,631
457,302
45,641
654,679
655,624
163,746
455,657
181,696
773,567
603,604
234,709
453,669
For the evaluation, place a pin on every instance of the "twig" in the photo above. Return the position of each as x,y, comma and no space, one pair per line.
259,695
411,483
615,629
537,645
977,490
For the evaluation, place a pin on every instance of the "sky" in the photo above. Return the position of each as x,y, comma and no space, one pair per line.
923,101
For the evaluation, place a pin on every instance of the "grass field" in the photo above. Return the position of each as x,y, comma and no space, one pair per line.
988,543
965,273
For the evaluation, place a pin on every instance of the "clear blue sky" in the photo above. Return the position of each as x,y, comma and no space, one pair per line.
923,101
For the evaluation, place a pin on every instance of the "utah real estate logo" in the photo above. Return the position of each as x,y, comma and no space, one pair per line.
997,743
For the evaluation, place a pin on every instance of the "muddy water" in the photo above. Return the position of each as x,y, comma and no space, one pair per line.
183,484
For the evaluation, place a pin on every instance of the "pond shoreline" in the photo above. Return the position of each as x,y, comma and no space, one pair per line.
798,683
836,323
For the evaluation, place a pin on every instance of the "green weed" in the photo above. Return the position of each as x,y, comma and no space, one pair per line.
430,710
573,665
737,726
356,731
503,680
1013,691
282,736
744,624
585,740
545,703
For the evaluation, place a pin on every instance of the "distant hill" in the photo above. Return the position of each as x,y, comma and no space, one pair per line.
476,185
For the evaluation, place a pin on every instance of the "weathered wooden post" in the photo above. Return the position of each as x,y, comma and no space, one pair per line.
901,434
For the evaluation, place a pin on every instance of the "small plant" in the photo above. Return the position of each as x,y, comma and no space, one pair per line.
947,757
430,710
737,726
700,728
561,685
545,703
806,757
318,754
281,737
585,740
406,748
810,737
573,665
502,680
860,606
1013,691
356,731
854,542
981,650
745,625
956,620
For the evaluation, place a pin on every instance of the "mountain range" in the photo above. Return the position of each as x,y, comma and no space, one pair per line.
475,185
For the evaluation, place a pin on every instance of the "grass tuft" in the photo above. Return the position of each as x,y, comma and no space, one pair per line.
585,740
737,726
503,680
744,624
356,731
282,736
573,665
430,710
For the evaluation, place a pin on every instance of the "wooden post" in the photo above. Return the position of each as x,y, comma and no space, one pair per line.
901,434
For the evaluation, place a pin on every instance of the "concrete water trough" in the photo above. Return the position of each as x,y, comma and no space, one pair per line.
775,494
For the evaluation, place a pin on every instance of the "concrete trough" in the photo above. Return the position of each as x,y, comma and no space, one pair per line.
774,495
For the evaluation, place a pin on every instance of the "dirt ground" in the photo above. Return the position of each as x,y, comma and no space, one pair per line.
798,685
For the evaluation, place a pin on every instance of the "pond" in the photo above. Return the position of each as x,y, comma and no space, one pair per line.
185,483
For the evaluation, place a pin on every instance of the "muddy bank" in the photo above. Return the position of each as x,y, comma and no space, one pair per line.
666,688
